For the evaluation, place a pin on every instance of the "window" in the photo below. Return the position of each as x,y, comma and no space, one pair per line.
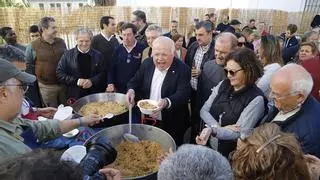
41,6
69,5
80,4
58,5
52,5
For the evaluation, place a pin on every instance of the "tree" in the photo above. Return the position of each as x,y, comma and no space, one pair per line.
13,3
105,2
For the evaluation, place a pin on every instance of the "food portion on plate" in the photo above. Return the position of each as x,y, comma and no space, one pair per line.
148,106
102,108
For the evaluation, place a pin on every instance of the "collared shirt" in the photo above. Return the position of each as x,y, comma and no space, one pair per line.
178,54
281,117
106,37
11,142
156,84
129,50
198,57
82,51
286,42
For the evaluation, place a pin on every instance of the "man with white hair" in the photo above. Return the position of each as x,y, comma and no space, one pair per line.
299,112
153,31
81,68
165,79
192,162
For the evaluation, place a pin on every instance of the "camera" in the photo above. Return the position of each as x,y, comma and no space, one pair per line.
100,152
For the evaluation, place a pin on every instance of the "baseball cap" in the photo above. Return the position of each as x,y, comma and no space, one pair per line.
8,70
235,22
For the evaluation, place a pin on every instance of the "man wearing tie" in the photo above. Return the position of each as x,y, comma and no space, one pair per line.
165,79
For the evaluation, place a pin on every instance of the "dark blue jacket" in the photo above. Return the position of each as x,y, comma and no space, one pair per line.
68,73
305,124
124,66
290,49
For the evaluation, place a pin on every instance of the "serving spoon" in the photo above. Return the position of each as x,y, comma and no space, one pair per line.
129,136
108,116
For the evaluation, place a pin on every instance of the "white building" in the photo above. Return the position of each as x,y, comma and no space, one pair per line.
44,4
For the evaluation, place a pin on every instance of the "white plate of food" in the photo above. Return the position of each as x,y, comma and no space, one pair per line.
71,134
148,106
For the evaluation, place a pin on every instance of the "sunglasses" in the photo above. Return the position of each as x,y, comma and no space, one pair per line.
231,72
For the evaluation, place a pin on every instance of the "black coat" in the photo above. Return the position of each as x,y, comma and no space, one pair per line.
192,49
290,49
68,73
230,29
176,87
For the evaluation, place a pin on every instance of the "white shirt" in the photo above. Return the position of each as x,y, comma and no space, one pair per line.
107,38
129,50
82,51
284,116
178,53
156,85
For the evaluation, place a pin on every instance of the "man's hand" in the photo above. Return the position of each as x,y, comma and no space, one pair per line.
163,103
47,112
130,96
80,82
91,119
195,73
110,88
110,173
86,84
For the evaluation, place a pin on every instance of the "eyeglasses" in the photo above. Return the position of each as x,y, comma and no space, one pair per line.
240,44
267,143
272,95
231,72
23,87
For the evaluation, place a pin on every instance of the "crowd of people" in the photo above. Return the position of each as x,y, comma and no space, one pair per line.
250,98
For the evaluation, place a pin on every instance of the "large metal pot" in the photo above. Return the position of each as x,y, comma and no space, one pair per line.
98,97
143,132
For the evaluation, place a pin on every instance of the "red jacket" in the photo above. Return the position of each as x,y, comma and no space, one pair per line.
313,67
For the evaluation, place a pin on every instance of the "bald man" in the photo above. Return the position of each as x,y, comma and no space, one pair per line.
165,79
298,112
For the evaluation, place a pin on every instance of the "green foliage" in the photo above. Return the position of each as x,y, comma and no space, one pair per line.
12,3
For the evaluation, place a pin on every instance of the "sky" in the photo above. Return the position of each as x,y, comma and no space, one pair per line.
285,5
